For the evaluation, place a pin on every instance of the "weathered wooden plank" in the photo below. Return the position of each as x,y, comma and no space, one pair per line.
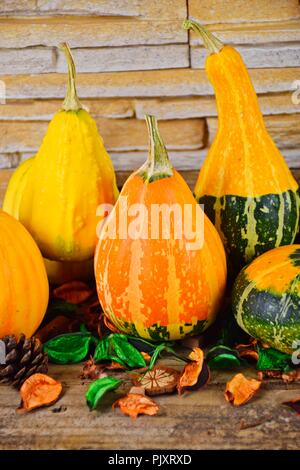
253,33
231,11
284,129
135,8
118,134
267,56
198,420
153,83
205,106
44,110
42,60
89,32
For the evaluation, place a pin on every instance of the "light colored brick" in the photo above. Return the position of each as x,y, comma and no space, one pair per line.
268,56
154,83
44,110
118,134
89,32
284,129
237,11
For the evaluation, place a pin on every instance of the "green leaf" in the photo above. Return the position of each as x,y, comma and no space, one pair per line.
116,347
102,352
223,357
126,352
98,388
155,355
69,348
271,359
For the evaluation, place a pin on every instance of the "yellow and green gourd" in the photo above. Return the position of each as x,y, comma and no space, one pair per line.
266,298
245,185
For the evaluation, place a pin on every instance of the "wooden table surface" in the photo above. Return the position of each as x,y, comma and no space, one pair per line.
195,420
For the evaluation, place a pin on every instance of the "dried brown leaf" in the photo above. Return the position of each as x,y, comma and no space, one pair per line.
134,404
157,381
248,351
239,390
37,391
75,292
57,326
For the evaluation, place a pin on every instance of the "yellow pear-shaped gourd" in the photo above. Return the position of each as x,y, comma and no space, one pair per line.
70,176
58,272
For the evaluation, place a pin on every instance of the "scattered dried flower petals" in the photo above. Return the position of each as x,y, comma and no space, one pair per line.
294,404
158,381
93,371
74,292
239,389
39,390
134,404
287,377
192,372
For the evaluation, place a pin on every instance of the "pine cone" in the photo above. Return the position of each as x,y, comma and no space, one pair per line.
24,357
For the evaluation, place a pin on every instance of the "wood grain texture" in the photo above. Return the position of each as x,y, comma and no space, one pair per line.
198,420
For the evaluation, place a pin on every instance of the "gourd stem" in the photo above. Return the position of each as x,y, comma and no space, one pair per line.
71,102
212,44
158,164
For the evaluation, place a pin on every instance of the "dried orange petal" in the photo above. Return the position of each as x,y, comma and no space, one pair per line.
39,390
74,292
192,370
134,404
239,389
197,355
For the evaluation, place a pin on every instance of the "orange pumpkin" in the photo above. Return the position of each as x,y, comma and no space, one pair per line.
158,288
24,290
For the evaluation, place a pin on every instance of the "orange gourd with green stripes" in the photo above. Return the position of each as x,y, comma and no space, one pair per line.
266,298
24,287
248,191
159,288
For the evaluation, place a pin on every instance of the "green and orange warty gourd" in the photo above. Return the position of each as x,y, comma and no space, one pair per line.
24,290
248,191
69,177
266,298
58,272
159,288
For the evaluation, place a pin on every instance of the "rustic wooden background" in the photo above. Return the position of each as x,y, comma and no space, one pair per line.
133,57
